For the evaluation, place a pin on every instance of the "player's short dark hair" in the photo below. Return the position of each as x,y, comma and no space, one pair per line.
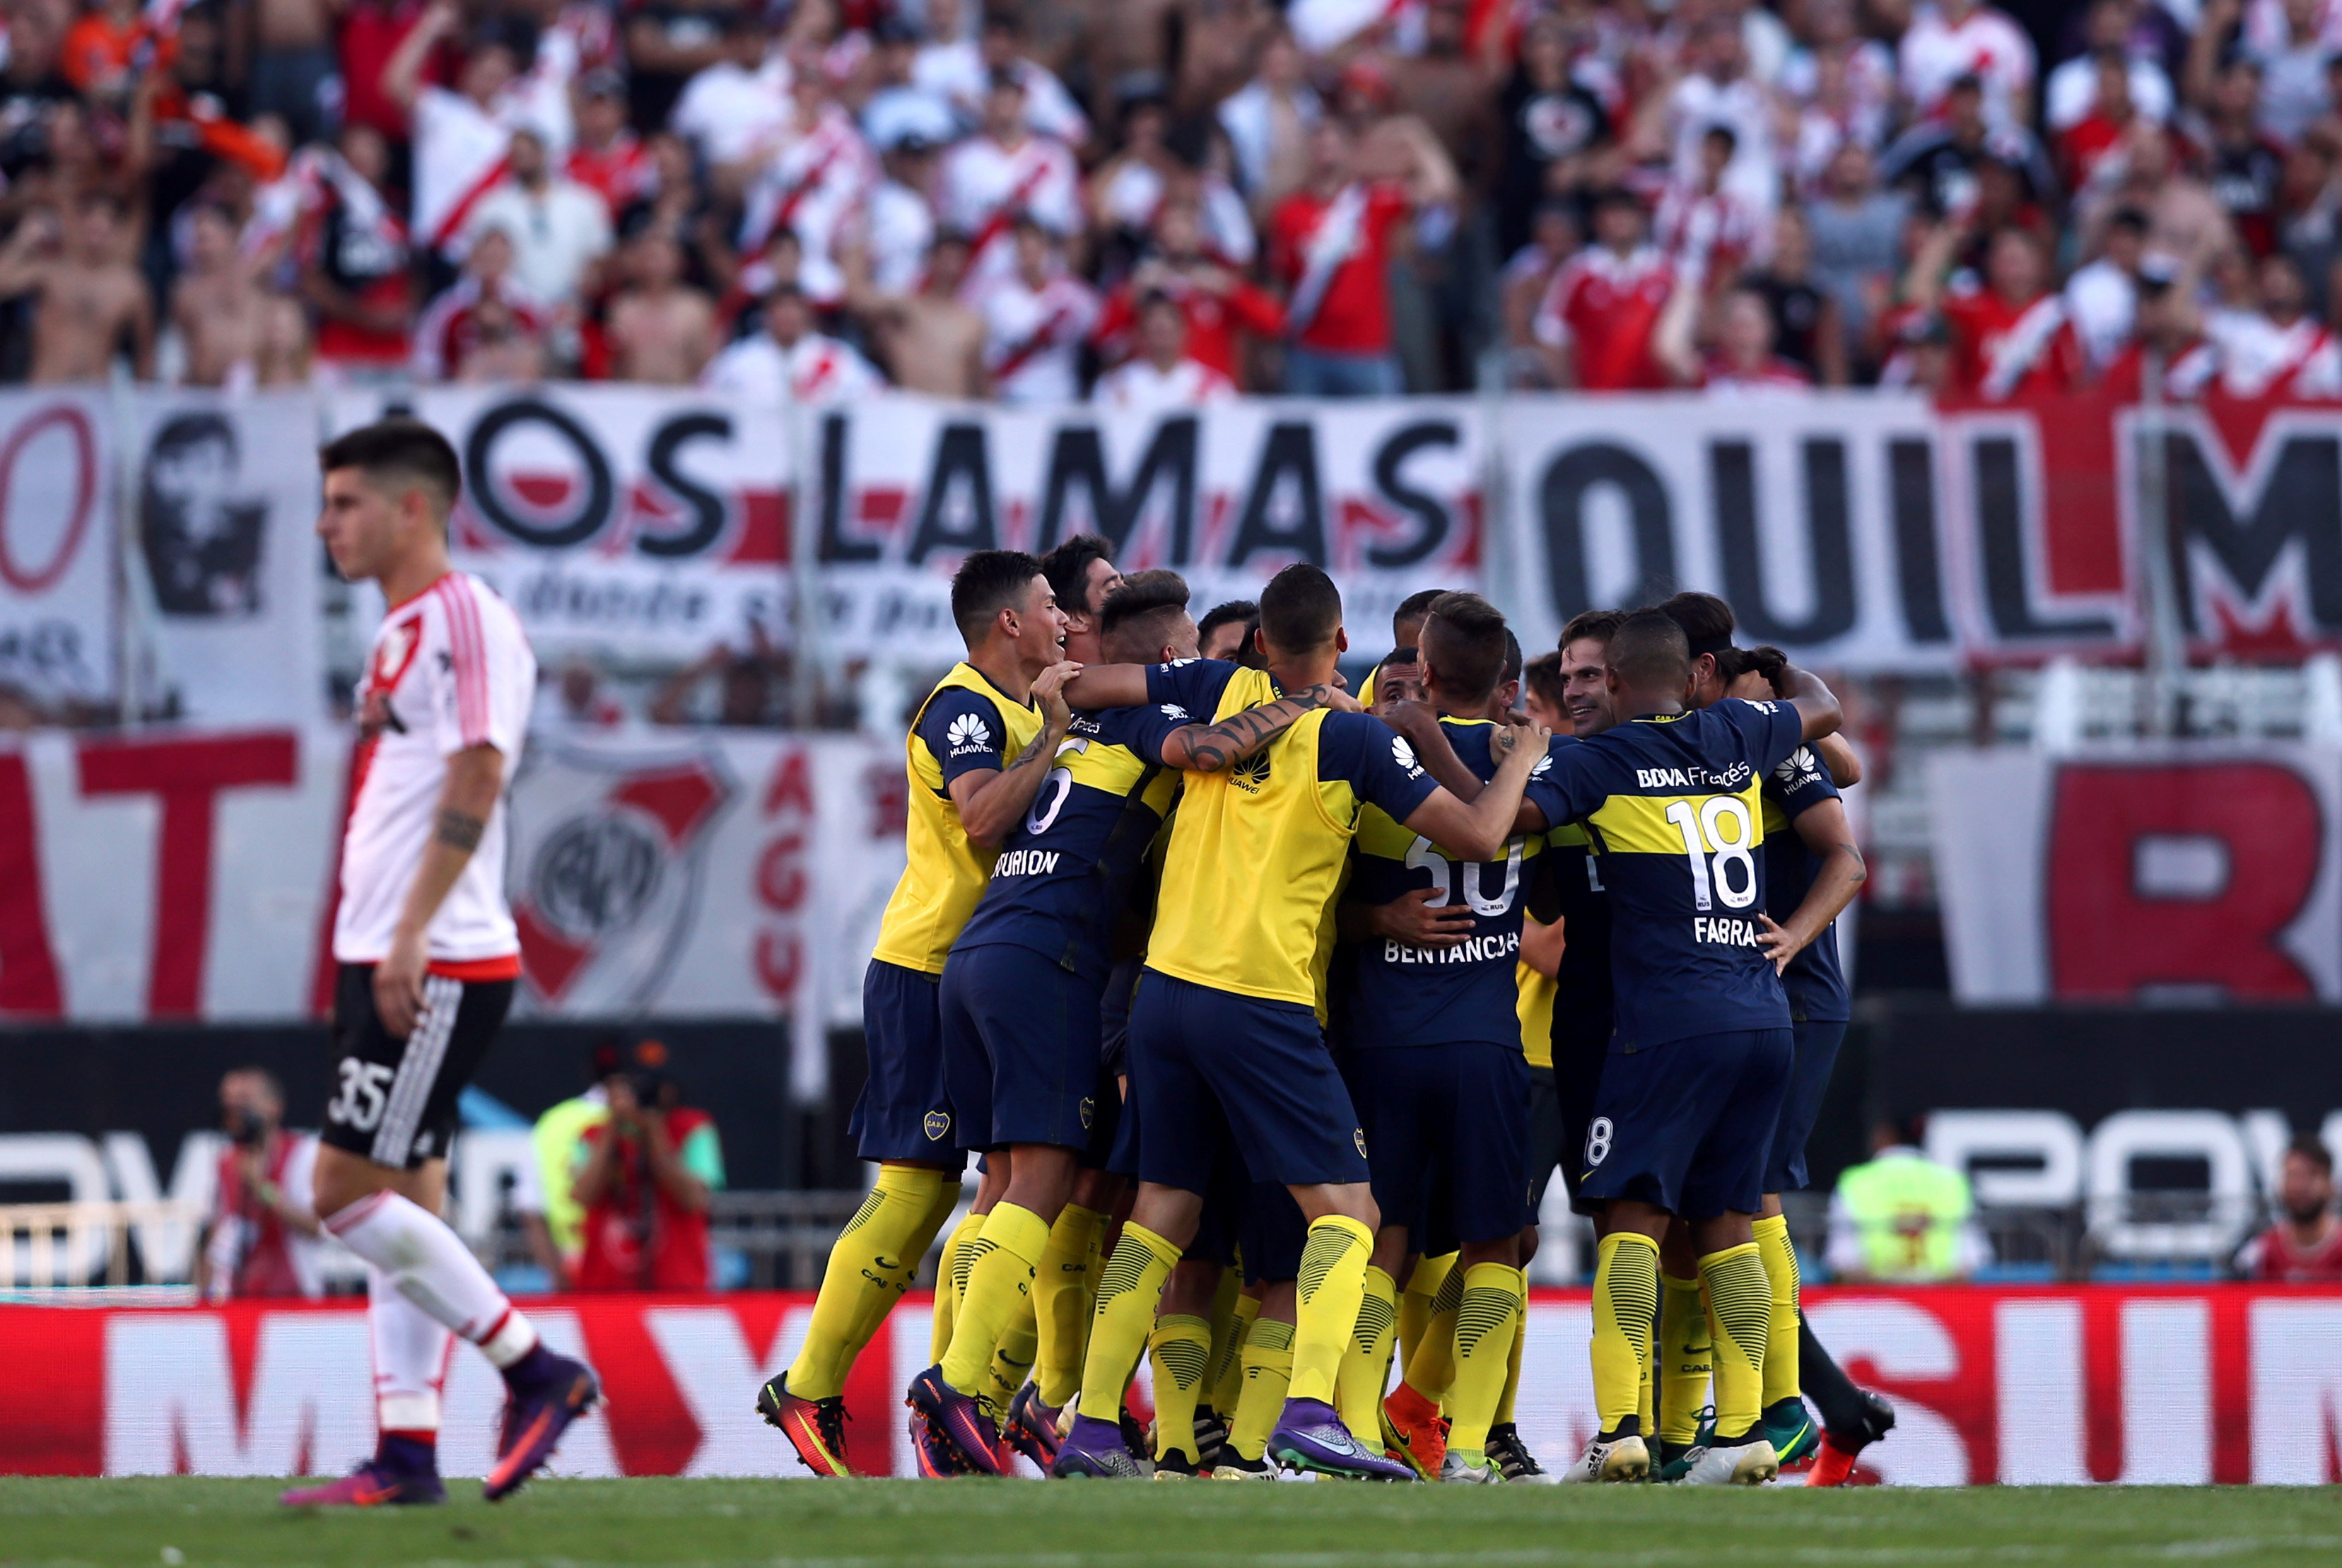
1512,657
2312,1148
1145,608
1766,661
398,447
1414,607
1068,567
988,581
1219,615
1600,625
1650,652
1464,639
1542,675
1707,621
1300,610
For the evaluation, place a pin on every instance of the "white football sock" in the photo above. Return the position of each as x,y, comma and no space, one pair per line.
410,1358
430,1266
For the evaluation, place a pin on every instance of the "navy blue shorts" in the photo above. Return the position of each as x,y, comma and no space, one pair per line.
1105,1126
1447,1133
1209,1067
1547,1140
1578,1056
1220,1227
1020,1048
903,1111
1685,1126
1809,1077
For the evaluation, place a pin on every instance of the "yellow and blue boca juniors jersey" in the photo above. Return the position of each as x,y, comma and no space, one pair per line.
1065,871
1405,996
966,725
1671,804
1815,980
1257,851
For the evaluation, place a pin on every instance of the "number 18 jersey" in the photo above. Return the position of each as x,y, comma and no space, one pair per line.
1671,804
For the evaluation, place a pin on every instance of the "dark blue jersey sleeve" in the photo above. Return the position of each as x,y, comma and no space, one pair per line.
963,730
1773,729
1572,781
1143,729
1801,783
1548,795
1376,762
1193,684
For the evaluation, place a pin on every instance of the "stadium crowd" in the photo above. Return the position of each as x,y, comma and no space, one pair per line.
1163,202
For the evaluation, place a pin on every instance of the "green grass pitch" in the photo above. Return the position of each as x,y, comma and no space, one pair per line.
164,1524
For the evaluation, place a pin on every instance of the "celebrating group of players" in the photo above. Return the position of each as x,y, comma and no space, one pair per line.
1272,1014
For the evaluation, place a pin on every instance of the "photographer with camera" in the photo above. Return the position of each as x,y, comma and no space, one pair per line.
261,1238
644,1185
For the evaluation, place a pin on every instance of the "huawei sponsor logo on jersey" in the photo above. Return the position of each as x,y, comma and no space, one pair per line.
1404,755
1251,774
968,734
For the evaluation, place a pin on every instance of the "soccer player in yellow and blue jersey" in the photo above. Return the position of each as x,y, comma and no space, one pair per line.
1226,1048
1700,1052
1432,1057
1021,999
978,753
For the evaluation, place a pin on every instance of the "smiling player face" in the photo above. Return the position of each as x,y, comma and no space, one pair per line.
1586,688
1040,626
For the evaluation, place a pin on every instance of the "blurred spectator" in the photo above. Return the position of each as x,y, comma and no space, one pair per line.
2304,1245
559,229
2287,40
930,339
788,361
662,330
2074,89
460,137
558,1141
896,108
2102,297
1597,320
1036,321
261,1238
751,688
2084,145
733,109
820,173
1162,377
1269,121
2185,221
487,325
1556,134
2279,350
1856,228
1903,1219
607,157
355,271
1806,328
898,221
1451,90
1718,92
1843,85
1220,304
579,702
1741,360
644,1183
1521,288
2010,337
1707,232
1002,175
90,301
1949,40
1330,246
2244,165
1943,160
235,332
962,71
293,65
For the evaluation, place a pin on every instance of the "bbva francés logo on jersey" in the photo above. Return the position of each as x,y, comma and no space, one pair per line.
968,734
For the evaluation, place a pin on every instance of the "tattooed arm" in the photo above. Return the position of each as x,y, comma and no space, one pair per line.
991,804
475,777
1210,748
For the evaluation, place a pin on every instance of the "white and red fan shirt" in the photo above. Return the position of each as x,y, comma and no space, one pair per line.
1986,44
451,669
1333,253
983,185
814,369
1606,308
1720,377
1139,386
449,329
810,187
2001,350
621,174
1033,338
2259,358
731,112
1707,232
459,157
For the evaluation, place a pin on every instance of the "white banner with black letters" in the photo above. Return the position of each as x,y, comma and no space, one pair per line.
59,614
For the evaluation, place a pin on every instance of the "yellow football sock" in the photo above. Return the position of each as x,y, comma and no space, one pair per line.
998,1270
1494,1296
1740,1311
1061,1303
1223,1319
1227,1358
1422,1287
950,1273
1011,1357
1331,1286
1267,1376
1180,1350
1683,1362
1780,1257
1626,1303
1513,1364
1367,1358
1128,1294
1431,1370
869,1268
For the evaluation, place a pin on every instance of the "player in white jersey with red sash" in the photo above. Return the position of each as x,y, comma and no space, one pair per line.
427,956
